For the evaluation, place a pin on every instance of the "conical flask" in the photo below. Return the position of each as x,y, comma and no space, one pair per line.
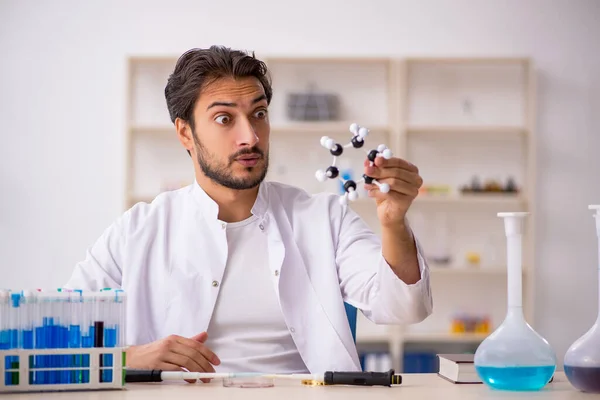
515,357
582,359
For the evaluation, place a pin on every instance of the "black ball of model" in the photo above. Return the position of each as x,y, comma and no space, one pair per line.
372,155
337,150
332,172
357,142
349,184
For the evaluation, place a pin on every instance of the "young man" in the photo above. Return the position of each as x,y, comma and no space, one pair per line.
233,273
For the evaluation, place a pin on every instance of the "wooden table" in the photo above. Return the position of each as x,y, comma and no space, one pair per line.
415,386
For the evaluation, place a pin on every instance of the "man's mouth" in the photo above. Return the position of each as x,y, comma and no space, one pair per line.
249,157
248,160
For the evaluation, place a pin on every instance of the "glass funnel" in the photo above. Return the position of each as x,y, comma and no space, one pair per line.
582,359
515,357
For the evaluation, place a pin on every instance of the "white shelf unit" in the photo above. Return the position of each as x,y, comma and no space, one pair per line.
454,118
156,161
466,117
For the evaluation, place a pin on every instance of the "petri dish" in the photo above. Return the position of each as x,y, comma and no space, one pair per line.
248,382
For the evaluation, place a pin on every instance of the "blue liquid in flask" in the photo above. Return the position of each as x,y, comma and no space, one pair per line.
516,378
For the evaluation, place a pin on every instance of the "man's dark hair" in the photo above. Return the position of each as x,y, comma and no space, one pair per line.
197,68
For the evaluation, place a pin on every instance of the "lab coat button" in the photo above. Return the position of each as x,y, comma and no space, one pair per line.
223,225
215,283
276,272
292,330
262,227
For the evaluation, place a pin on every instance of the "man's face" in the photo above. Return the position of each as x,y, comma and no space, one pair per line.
231,132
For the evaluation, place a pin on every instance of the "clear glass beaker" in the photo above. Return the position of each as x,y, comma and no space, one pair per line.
582,359
515,357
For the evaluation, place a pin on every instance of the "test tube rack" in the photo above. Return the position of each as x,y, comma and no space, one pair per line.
60,340
88,374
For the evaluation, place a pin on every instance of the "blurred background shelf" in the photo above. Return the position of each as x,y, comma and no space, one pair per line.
492,199
467,270
467,123
443,337
473,130
321,128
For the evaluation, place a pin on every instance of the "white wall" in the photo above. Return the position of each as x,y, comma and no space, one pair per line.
62,107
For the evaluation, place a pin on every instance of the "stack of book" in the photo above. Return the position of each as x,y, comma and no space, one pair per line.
458,368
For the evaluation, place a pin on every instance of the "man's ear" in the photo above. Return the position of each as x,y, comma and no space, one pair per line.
184,133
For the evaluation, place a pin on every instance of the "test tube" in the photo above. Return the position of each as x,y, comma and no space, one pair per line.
76,300
121,309
102,328
40,328
14,328
87,331
114,328
4,334
28,311
52,322
62,334
27,318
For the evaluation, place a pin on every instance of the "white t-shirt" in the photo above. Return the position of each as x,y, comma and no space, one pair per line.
247,331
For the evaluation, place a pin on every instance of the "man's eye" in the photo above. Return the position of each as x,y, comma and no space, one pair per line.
261,114
222,119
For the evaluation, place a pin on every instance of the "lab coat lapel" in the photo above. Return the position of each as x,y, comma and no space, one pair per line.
315,336
217,262
197,269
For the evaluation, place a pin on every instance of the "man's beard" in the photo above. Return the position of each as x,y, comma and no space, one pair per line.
221,175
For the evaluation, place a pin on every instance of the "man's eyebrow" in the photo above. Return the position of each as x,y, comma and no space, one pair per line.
259,98
221,103
228,104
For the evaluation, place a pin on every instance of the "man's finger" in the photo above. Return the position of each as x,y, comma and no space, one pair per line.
201,348
396,162
201,337
394,172
396,186
198,364
195,356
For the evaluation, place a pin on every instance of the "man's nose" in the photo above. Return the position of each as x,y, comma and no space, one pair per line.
247,134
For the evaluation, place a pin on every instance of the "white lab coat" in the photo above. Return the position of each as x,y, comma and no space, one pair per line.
170,255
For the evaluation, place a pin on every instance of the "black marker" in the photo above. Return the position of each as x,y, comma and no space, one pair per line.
388,378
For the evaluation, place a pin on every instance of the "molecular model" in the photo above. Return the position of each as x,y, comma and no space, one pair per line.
336,150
